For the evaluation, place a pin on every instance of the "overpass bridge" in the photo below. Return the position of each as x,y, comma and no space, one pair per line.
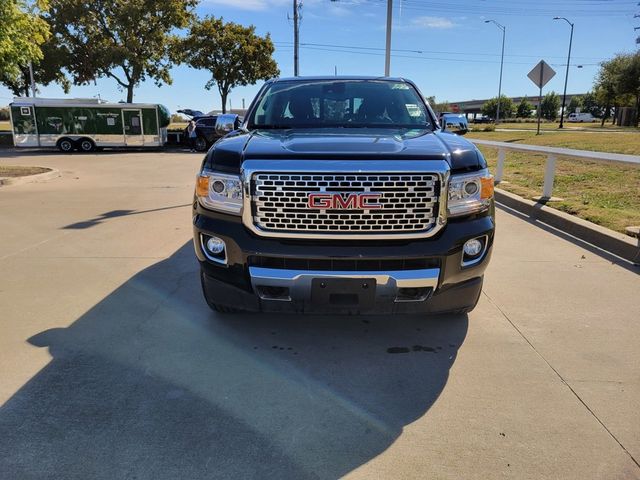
472,108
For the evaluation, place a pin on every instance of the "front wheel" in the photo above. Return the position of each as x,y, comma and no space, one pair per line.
201,144
66,145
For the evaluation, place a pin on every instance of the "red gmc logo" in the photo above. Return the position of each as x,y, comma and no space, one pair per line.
341,201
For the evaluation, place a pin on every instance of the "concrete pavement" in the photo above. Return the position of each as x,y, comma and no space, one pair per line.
112,366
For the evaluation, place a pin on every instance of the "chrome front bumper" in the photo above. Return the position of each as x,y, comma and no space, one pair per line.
299,283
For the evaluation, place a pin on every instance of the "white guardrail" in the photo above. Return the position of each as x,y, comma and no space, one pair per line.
552,154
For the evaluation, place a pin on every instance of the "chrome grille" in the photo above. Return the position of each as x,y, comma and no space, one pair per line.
409,202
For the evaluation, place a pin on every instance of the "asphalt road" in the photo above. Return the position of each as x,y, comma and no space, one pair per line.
112,366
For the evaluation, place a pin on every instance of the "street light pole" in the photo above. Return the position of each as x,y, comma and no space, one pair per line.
566,76
295,38
504,30
387,54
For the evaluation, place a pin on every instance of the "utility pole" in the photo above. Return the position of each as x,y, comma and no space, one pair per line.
566,76
387,55
504,30
33,82
296,39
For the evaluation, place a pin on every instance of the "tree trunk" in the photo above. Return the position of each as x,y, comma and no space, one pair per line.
637,109
224,92
130,93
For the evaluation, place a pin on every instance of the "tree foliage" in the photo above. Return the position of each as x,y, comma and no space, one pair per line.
524,108
574,104
439,107
617,83
22,32
232,53
47,70
126,40
490,107
590,104
550,105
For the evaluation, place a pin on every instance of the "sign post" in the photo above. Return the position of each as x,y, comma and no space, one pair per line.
540,75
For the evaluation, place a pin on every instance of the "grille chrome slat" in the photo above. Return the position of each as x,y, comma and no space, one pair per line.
409,202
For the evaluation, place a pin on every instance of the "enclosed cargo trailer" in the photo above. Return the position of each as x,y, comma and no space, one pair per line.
87,124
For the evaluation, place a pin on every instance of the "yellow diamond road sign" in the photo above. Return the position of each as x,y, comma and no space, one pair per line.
541,74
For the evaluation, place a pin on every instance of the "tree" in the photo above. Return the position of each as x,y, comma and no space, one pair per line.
45,71
550,105
629,81
524,108
574,104
126,40
233,53
618,83
490,107
607,85
591,105
22,32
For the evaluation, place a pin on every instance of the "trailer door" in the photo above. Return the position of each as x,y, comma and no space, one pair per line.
25,128
133,132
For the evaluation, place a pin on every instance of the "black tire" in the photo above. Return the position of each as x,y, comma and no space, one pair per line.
66,145
216,307
201,144
86,145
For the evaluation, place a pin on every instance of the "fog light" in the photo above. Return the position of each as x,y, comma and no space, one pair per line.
472,247
215,245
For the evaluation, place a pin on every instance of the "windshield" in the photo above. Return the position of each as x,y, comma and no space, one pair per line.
340,103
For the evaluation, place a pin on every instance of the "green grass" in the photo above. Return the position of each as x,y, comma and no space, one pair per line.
5,126
606,194
614,142
553,127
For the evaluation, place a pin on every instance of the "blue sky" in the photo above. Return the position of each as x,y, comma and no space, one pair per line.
444,46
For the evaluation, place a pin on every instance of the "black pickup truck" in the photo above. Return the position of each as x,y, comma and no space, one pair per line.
342,194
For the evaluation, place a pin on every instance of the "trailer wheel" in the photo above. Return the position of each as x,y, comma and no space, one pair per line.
201,144
66,145
86,145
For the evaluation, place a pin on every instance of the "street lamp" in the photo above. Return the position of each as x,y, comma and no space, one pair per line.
566,76
504,29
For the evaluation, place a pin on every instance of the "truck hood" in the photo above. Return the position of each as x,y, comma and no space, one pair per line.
343,144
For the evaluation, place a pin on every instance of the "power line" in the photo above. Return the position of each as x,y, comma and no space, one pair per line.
459,60
419,51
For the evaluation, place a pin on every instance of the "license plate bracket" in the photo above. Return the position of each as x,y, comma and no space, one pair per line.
343,291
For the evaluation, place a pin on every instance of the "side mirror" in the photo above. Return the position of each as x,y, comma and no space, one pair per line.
226,123
457,124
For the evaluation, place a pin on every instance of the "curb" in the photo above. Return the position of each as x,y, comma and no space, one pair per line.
40,177
617,243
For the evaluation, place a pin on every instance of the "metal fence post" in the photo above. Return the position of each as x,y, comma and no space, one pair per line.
500,167
549,174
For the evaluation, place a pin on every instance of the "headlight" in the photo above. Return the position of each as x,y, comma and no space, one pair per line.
219,191
470,193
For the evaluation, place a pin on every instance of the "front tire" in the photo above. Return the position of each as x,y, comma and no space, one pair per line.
201,144
66,145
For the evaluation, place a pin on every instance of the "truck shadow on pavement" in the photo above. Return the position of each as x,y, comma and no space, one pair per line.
150,384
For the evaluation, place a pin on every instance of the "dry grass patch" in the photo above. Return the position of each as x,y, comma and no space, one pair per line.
19,171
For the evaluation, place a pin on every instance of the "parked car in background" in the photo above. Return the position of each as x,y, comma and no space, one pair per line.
483,119
581,118
205,129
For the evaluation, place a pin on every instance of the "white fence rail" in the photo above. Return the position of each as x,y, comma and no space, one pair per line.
552,154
